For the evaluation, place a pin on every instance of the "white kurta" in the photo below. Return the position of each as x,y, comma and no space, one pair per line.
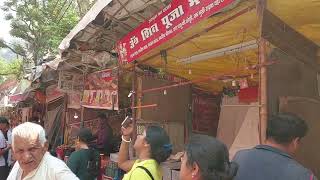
9,134
50,168
3,144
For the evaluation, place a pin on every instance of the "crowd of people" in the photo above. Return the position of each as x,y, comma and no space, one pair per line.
204,158
5,148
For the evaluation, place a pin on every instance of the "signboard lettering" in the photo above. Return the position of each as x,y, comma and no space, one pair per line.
170,21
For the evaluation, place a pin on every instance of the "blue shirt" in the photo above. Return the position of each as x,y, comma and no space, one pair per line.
268,163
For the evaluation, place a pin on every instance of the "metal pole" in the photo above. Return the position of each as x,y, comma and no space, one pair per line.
133,103
132,152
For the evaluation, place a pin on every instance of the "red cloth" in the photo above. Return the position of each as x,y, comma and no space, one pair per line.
60,153
40,97
248,95
18,97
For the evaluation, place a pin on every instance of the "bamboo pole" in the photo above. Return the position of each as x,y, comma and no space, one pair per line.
261,5
241,105
139,97
263,92
145,106
204,79
82,117
82,107
66,117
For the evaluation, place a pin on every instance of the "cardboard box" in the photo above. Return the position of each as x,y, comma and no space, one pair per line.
168,167
166,172
171,164
175,174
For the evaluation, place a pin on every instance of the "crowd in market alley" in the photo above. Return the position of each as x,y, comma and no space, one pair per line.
26,153
159,89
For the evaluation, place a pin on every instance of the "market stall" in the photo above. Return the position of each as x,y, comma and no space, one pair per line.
219,56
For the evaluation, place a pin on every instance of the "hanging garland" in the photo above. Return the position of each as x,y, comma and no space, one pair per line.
231,91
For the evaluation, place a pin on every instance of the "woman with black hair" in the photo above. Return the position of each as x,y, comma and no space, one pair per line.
152,148
85,161
206,158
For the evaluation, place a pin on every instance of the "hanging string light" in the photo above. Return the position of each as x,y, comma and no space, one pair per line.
234,83
75,115
165,92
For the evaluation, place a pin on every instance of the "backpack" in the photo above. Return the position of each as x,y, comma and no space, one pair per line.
93,164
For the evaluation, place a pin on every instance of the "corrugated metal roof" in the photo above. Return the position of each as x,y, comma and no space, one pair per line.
105,23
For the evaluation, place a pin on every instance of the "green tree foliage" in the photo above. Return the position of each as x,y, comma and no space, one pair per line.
83,6
10,69
41,24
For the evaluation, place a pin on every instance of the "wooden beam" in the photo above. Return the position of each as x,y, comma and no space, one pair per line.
288,40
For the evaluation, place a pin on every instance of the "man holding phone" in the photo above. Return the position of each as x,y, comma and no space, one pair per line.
125,123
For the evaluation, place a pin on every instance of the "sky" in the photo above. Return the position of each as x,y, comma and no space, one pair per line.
5,25
4,34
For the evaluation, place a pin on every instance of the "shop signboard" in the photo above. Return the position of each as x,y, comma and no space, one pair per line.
175,18
101,90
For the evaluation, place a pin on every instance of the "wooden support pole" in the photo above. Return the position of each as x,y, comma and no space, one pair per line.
261,5
139,97
66,117
263,92
82,117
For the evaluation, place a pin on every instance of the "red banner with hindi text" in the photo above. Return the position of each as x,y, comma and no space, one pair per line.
175,18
